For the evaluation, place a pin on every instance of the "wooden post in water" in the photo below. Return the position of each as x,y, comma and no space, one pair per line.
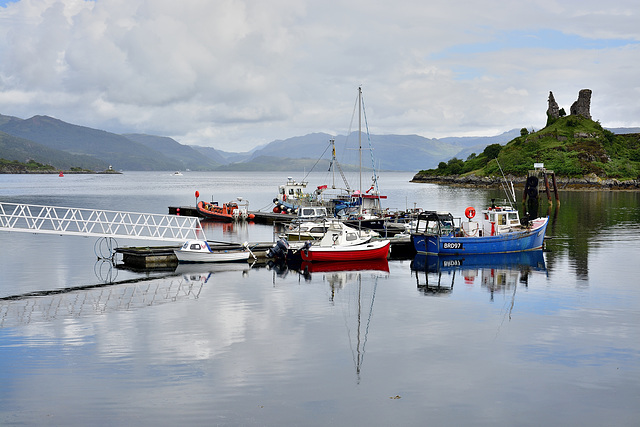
555,187
543,181
546,187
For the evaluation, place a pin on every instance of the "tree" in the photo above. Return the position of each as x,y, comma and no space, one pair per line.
524,132
492,151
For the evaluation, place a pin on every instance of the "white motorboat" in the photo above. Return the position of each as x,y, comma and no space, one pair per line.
201,251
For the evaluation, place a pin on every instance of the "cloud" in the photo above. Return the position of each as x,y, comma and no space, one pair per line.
234,74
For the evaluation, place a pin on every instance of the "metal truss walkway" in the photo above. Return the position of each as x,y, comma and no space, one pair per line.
98,223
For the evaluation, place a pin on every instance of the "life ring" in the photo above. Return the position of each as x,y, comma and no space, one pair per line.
470,212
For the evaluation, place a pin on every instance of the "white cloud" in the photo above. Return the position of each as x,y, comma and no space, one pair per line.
233,74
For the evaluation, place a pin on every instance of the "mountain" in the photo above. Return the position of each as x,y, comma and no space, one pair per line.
623,131
51,141
217,156
107,147
390,152
23,150
189,157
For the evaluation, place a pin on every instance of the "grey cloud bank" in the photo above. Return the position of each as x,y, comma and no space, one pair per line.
236,74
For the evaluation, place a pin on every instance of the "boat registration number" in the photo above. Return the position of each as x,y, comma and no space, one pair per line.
452,263
451,245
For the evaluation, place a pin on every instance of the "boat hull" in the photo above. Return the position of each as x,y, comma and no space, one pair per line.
517,241
378,249
215,213
215,256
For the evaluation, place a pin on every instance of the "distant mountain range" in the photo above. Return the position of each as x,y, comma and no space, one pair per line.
51,141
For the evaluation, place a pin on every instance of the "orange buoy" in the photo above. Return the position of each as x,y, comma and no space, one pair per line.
470,212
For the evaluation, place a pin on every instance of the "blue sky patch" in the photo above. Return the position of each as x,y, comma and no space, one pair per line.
540,39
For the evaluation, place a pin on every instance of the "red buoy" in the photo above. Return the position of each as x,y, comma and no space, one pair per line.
197,194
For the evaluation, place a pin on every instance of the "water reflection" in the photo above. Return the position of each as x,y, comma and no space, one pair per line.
436,275
185,282
46,306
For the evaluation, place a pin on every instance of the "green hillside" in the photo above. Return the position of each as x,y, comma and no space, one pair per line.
23,150
572,146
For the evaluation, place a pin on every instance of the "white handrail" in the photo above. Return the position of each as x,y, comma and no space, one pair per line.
99,223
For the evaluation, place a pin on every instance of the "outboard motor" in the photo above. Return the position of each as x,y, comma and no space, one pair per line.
279,250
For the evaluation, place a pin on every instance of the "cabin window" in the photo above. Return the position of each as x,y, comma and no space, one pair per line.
513,217
317,230
291,191
195,247
486,216
351,237
307,211
502,219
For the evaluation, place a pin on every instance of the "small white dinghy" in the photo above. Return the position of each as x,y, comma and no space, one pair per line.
201,251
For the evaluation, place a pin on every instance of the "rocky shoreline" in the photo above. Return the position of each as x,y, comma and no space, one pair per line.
589,182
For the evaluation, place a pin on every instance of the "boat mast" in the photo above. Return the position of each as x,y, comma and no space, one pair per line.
360,142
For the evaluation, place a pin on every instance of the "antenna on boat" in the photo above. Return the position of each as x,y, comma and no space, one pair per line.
511,196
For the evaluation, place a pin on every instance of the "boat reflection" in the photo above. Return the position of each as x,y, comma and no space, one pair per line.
306,269
359,265
212,267
436,275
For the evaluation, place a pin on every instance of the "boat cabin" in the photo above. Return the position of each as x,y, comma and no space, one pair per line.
436,223
370,201
493,221
292,190
310,213
499,219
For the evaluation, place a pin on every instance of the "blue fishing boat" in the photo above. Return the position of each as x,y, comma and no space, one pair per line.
498,230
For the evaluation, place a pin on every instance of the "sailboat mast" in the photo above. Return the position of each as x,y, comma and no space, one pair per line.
360,141
333,159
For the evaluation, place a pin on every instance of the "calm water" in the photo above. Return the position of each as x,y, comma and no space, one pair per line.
554,341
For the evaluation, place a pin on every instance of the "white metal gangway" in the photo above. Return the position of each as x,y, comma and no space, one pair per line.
98,223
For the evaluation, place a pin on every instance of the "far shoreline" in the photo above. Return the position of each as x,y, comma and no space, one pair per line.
57,172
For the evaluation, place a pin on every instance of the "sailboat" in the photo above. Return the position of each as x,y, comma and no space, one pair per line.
369,214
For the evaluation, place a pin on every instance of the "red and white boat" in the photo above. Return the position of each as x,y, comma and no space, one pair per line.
344,243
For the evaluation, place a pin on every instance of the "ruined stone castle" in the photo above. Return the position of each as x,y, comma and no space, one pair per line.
582,107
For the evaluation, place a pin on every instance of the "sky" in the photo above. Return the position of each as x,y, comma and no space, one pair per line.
235,75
